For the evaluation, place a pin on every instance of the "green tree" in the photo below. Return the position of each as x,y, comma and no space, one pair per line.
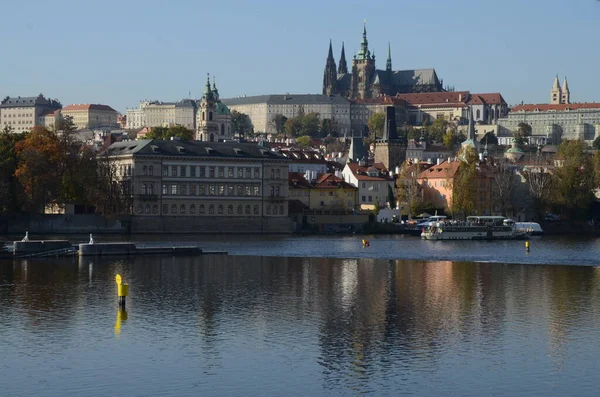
310,124
437,130
574,178
464,184
278,122
522,133
304,141
165,133
390,197
293,127
596,143
328,127
376,124
241,124
10,189
449,140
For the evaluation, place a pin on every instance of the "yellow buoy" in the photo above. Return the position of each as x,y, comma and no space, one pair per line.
122,290
527,245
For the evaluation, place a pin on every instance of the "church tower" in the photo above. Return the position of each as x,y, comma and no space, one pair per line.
330,74
555,93
390,150
565,94
342,68
363,70
388,63
208,128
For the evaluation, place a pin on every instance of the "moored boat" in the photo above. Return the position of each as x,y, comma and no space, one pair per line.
474,228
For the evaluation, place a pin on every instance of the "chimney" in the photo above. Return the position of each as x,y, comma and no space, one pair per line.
459,97
439,161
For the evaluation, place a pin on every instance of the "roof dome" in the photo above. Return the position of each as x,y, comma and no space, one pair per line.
222,108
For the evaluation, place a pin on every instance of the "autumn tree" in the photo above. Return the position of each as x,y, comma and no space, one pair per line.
292,127
539,182
310,124
464,184
111,195
278,122
376,124
504,184
10,189
408,190
304,141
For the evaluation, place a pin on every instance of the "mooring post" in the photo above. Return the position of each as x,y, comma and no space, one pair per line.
122,291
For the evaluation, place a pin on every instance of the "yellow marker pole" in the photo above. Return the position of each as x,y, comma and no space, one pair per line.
122,290
527,245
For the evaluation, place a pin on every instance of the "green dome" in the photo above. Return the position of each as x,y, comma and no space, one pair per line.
222,109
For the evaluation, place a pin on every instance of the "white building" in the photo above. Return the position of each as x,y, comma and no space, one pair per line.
372,183
163,114
23,113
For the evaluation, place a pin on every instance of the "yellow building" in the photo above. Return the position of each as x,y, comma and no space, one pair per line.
91,115
327,192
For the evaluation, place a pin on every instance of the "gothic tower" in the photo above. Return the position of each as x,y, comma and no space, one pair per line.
207,126
555,93
388,63
565,94
330,74
390,150
342,67
363,70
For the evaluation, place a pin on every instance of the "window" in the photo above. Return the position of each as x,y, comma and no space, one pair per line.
147,209
173,170
165,209
193,171
230,189
221,190
240,190
210,116
211,190
240,172
256,190
370,199
211,209
221,172
211,172
248,172
277,173
202,171
165,170
364,199
247,210
257,172
275,209
272,173
256,210
247,190
144,189
150,189
239,210
220,209
230,209
201,209
182,189
281,210
230,172
145,170
268,210
364,185
193,189
173,209
182,170
276,190
174,189
140,208
151,170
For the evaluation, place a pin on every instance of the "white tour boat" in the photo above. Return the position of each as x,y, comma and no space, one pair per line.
475,228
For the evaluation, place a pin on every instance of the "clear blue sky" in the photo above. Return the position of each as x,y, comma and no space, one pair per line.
118,52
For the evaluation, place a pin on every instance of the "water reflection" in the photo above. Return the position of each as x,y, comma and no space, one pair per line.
316,326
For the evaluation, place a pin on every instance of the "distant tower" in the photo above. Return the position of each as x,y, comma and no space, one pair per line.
207,126
342,67
555,93
330,74
388,63
390,150
363,70
566,95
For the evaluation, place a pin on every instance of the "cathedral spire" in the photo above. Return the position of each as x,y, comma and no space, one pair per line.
556,94
330,55
388,64
364,45
566,94
343,67
330,74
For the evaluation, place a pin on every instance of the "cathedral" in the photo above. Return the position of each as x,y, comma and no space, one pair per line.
213,119
366,81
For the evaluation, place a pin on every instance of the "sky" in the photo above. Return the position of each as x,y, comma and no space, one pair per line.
118,52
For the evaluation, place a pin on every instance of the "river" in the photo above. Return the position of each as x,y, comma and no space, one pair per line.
307,316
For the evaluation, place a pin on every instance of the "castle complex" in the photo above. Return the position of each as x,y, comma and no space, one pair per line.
366,81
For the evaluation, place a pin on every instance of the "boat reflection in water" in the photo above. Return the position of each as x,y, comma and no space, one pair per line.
475,228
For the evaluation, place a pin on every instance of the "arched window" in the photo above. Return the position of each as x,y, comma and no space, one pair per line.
192,209
144,189
145,170
182,209
222,129
478,114
274,210
150,170
240,210
230,209
247,210
268,210
150,189
272,173
173,209
209,116
155,209
211,209
165,209
202,116
277,173
256,210
201,209
147,209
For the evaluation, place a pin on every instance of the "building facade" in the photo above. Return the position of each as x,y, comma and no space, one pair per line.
23,113
213,118
91,116
366,81
326,192
162,114
372,183
263,108
223,186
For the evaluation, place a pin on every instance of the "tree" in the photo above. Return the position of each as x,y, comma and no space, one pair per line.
390,197
464,185
575,178
241,124
10,189
328,127
376,124
596,144
278,122
449,140
292,127
165,133
539,182
504,184
111,196
522,133
408,190
304,141
310,124
437,130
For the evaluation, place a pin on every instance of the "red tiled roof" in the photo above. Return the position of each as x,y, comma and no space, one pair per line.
561,107
444,170
494,98
297,180
330,181
435,98
89,106
361,172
